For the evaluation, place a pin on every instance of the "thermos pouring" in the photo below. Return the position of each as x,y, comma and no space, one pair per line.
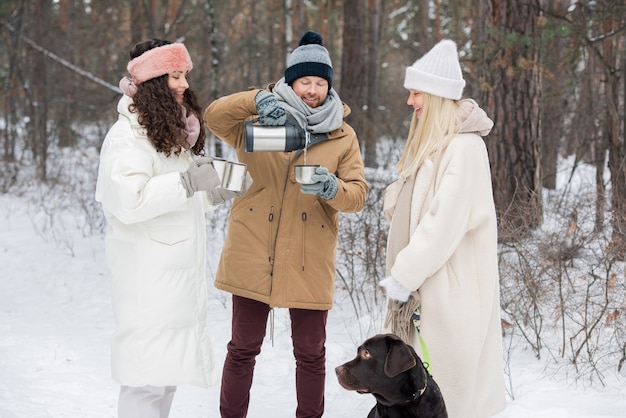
274,138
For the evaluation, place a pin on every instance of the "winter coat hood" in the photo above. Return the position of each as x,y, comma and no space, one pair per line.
472,119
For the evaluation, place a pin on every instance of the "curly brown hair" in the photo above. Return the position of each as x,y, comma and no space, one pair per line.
159,112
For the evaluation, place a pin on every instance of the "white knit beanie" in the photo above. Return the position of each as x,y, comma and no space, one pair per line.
438,72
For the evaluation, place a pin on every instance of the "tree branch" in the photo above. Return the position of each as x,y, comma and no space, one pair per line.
63,62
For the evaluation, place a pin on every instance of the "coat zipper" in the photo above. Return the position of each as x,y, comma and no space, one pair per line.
270,219
303,236
273,242
272,245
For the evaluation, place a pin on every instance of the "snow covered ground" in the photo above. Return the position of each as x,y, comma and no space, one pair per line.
56,320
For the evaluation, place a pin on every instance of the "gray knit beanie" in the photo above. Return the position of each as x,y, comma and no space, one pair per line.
438,72
309,58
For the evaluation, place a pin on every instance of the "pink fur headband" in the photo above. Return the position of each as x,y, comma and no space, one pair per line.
159,61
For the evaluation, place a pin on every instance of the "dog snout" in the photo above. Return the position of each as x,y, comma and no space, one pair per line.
339,370
345,377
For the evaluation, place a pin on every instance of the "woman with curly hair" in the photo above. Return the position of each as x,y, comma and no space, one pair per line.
158,114
154,194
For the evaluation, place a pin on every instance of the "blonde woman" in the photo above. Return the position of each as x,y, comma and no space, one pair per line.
442,271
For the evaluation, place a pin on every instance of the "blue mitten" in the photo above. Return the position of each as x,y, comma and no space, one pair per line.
395,290
271,112
325,185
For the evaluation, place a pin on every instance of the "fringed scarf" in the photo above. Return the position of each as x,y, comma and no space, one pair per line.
397,209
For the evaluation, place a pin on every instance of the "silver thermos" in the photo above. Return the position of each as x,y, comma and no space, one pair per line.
274,138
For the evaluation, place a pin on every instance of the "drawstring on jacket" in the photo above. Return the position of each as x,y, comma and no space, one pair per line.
272,326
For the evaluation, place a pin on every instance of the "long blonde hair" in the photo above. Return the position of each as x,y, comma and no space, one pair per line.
430,134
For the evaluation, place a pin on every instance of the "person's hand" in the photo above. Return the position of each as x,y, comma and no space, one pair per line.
220,195
271,112
395,290
325,185
200,176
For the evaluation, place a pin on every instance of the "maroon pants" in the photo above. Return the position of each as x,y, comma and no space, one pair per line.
308,334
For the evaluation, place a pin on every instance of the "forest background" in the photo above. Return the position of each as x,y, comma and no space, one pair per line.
551,74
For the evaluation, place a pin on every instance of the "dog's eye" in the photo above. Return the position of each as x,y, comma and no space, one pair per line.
365,354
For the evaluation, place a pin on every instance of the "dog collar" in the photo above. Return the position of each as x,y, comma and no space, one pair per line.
419,393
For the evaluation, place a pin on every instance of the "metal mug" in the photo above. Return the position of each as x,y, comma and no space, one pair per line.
304,173
220,166
235,176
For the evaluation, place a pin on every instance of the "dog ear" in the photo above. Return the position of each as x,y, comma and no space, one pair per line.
399,358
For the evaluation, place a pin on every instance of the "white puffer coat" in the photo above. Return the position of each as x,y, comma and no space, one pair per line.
156,250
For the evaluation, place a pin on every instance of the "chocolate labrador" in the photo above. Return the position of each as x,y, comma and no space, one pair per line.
390,370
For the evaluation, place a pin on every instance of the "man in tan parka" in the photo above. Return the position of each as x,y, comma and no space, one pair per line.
282,236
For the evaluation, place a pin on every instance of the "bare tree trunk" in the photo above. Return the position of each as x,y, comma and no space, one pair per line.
353,75
274,51
511,86
333,34
601,148
39,94
426,38
438,34
252,47
298,24
591,145
583,130
215,58
64,88
288,29
10,87
553,103
369,135
617,145
136,31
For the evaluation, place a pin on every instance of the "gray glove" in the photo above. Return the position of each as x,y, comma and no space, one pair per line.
271,112
325,185
220,195
200,176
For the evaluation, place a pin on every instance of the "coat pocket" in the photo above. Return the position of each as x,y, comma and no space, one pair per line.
169,235
170,247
